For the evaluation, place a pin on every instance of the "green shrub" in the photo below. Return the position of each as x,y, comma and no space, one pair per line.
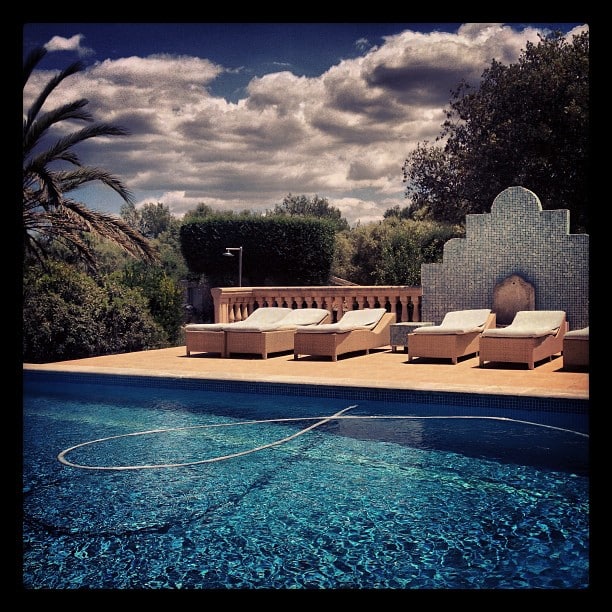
392,252
164,296
68,315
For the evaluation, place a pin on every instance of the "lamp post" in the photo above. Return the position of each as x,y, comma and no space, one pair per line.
228,253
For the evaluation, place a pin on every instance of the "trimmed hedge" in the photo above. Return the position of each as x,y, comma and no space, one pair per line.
276,250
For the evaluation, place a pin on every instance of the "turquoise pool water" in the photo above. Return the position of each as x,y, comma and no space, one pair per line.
391,494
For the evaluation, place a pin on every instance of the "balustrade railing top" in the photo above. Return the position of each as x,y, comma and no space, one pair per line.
236,303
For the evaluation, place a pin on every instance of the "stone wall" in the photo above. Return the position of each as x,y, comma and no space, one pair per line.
516,237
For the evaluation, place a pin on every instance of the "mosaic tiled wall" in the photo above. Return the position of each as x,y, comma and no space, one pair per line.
516,237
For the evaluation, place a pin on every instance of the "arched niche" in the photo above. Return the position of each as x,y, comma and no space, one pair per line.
510,295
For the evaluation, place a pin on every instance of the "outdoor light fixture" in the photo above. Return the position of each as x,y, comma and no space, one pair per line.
228,253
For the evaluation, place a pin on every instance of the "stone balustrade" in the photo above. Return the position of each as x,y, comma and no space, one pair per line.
236,303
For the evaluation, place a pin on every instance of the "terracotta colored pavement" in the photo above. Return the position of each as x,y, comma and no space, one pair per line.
382,368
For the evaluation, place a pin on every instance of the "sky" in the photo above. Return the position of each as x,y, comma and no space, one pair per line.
239,115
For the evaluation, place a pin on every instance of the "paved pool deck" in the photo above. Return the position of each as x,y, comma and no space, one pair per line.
382,368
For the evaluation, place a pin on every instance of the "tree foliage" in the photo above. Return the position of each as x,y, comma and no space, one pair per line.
391,252
164,296
398,212
303,206
201,211
159,225
150,220
526,124
52,170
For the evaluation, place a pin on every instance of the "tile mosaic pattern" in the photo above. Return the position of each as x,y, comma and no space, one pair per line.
516,237
511,406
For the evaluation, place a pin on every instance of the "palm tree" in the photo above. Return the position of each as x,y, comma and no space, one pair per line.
48,213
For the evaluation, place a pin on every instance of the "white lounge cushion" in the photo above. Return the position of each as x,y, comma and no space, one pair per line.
291,320
205,327
530,324
458,322
304,316
266,315
366,318
578,334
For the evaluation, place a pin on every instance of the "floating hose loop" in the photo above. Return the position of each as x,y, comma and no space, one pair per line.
62,456
320,421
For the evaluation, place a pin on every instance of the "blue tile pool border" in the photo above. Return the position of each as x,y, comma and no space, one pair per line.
520,403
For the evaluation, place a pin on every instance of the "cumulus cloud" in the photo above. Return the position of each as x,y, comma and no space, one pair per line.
339,135
58,43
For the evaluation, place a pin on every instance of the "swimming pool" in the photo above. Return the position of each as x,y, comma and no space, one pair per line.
399,490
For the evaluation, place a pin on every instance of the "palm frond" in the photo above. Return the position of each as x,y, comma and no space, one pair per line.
58,150
48,215
36,244
51,85
31,61
114,229
74,179
41,185
34,131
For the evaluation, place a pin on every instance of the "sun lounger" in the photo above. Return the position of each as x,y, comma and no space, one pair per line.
576,348
267,338
210,337
532,336
458,335
358,330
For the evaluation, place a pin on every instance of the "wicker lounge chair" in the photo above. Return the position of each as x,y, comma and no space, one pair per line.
458,335
358,330
210,337
576,348
263,339
532,336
